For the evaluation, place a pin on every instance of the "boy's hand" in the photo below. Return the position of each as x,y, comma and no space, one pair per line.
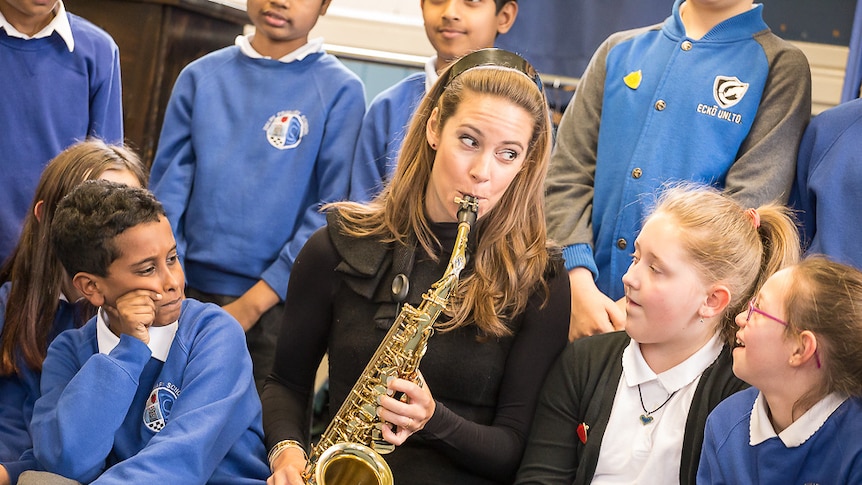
248,308
134,313
592,311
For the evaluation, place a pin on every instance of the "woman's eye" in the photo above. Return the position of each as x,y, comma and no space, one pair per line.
469,141
509,155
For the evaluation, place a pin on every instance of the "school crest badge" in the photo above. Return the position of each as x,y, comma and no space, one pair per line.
728,91
286,129
158,408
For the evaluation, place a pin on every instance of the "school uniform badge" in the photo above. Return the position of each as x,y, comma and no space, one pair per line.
728,91
158,408
285,129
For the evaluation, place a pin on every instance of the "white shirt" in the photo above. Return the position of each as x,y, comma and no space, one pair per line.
59,24
313,46
633,452
760,428
431,74
161,338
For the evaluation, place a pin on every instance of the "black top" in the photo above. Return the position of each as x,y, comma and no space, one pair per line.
581,388
339,300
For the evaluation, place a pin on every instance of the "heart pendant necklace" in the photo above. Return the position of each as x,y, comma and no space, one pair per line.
647,418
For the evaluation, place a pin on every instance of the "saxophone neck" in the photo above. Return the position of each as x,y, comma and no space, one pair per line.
468,208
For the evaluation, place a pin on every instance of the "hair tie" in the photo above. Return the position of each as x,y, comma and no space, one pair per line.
755,217
494,57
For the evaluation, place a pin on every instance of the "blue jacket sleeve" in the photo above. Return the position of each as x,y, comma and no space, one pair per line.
332,174
76,420
370,159
84,402
106,102
173,168
207,419
801,198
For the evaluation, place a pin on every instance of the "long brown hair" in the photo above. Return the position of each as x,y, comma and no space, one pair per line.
511,254
33,268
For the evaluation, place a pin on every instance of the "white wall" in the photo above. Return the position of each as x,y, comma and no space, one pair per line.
385,25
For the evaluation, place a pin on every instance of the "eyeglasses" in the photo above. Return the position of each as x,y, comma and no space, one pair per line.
753,309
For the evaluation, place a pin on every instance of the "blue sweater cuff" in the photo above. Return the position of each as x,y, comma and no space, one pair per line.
16,468
580,256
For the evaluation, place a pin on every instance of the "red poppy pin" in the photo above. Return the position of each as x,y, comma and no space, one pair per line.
582,432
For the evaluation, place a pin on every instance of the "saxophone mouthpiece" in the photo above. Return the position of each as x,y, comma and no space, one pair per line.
468,210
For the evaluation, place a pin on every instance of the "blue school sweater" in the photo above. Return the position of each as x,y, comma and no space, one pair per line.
126,417
19,392
383,130
832,455
249,151
827,193
51,98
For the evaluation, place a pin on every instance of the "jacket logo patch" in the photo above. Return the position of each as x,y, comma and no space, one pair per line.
728,91
286,129
159,406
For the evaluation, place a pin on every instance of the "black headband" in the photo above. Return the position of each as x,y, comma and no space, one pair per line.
494,57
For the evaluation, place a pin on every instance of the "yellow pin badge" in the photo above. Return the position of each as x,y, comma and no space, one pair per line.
633,79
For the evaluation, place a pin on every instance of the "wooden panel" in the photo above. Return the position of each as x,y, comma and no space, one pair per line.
156,40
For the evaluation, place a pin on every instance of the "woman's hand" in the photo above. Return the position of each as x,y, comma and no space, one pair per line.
288,467
410,413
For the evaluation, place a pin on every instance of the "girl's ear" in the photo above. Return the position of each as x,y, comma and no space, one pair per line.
716,301
805,349
37,210
89,285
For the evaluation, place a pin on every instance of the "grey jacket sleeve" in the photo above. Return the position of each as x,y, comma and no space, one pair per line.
569,185
766,164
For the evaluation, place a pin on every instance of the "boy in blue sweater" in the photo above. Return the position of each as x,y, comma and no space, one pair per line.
257,136
711,95
60,79
455,28
155,388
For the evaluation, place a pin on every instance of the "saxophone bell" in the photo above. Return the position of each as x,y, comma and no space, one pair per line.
352,463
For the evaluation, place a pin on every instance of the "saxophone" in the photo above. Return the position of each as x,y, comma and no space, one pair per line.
348,452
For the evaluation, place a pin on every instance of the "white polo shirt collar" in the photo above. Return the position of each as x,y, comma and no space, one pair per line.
161,338
59,24
760,427
312,47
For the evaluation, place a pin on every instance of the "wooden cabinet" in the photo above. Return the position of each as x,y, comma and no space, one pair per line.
157,38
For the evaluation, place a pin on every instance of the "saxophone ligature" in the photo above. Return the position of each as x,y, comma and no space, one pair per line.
349,450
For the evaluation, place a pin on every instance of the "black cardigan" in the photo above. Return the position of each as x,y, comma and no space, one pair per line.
580,388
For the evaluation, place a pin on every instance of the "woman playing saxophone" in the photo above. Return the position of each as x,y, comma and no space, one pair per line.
483,132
